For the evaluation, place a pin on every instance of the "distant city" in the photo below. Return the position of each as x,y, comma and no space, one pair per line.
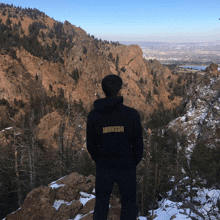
184,53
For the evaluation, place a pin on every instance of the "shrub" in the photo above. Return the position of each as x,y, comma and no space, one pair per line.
206,162
156,91
84,50
3,102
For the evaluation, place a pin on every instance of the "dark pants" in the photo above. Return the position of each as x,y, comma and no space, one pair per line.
126,180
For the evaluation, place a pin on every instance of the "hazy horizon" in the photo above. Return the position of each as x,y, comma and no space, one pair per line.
148,41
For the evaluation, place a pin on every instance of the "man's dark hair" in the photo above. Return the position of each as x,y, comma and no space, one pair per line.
111,85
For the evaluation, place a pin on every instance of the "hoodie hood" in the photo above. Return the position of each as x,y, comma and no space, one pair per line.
108,104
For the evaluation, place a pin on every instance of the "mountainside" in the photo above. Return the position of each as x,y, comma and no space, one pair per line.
201,121
47,60
51,74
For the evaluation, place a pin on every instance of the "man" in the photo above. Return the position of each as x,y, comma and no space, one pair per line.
115,143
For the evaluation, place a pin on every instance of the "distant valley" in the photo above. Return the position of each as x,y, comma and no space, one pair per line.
184,53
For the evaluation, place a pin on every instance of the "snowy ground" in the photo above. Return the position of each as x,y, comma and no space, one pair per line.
208,206
208,198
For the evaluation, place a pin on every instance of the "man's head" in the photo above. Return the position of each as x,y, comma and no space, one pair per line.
111,85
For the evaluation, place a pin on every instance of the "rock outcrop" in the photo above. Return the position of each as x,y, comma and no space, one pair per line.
201,121
212,69
63,199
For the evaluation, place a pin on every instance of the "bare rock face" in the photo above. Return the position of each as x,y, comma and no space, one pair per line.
61,201
88,217
66,212
89,206
67,193
37,205
212,69
72,185
75,180
213,66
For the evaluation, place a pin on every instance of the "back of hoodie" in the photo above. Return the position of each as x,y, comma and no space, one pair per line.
114,134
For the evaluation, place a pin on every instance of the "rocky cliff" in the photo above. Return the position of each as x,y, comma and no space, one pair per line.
42,58
200,121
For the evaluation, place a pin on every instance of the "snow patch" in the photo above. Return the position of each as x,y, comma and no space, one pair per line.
12,213
207,198
80,216
168,210
58,203
216,107
9,128
55,185
85,197
17,134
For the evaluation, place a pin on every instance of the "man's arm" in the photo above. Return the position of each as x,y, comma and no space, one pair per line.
92,145
138,139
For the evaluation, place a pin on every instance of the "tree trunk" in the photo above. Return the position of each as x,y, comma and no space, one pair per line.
17,173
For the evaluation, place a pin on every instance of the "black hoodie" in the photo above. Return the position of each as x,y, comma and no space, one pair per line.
114,134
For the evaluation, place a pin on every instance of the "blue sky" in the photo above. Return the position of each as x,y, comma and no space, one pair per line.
137,20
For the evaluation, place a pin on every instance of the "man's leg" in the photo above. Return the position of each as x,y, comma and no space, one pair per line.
103,187
126,180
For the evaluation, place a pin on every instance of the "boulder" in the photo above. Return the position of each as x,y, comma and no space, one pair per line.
213,66
67,193
89,206
88,217
212,69
66,212
72,185
60,201
37,205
